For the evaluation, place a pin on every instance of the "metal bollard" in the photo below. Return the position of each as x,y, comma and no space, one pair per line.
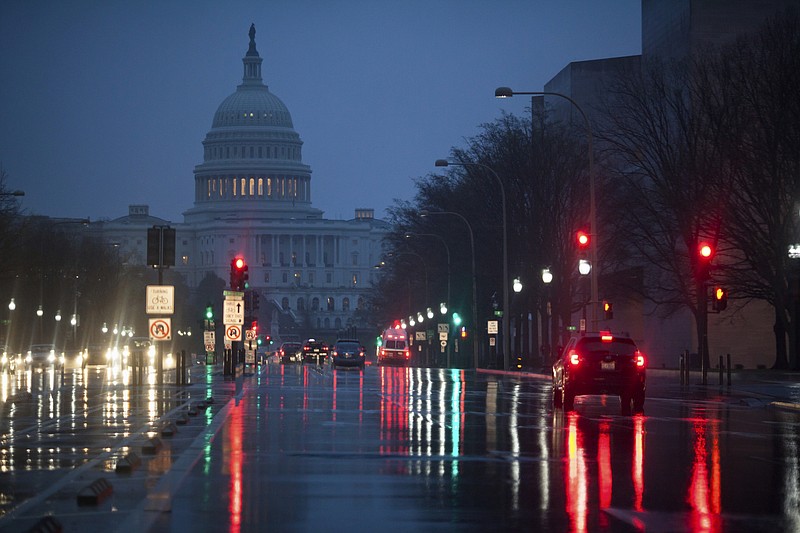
729,370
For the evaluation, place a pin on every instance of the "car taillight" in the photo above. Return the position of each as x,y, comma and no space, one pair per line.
408,354
640,360
574,358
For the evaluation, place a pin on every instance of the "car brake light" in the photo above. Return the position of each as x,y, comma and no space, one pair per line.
574,358
640,359
408,354
606,337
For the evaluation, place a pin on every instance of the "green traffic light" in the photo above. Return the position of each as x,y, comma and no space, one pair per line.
456,319
209,312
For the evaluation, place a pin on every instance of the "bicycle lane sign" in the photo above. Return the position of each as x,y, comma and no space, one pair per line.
160,299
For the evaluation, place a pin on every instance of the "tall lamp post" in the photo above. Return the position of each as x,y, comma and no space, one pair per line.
506,92
474,277
506,316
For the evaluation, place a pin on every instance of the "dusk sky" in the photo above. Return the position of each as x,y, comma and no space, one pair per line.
106,103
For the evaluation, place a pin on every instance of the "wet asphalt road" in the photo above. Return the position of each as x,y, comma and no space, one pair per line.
304,448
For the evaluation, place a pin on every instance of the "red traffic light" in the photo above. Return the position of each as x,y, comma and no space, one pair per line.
706,251
583,239
238,263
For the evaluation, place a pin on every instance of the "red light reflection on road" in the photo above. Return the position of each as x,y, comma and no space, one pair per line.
604,475
576,476
580,475
235,461
704,494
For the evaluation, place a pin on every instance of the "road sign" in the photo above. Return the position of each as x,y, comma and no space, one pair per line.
492,327
233,295
160,299
233,332
419,335
233,312
160,329
209,337
444,328
443,336
250,334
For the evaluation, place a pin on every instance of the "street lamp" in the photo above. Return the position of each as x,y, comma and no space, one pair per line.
506,92
506,317
474,275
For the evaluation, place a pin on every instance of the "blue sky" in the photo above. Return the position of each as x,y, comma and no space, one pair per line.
106,103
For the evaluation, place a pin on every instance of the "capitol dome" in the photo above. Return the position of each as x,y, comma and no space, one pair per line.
252,156
252,105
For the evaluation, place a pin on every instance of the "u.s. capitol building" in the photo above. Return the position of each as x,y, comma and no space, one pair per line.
253,199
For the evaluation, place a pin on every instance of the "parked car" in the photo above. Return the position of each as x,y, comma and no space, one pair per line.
348,352
315,351
291,352
600,363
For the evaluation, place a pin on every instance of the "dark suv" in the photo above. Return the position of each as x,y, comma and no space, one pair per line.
348,352
315,352
600,363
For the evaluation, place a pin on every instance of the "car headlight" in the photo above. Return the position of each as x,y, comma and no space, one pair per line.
4,359
28,358
51,357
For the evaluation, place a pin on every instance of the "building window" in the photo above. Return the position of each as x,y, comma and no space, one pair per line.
285,277
311,278
360,303
184,260
328,277
266,276
244,186
331,305
345,304
355,279
301,304
252,186
261,186
285,303
355,258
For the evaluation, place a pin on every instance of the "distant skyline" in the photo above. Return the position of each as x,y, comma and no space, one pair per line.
106,103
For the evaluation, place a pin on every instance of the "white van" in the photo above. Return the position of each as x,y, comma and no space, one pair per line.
394,347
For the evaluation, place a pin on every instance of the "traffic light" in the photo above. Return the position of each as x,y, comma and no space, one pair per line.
463,332
720,299
705,253
254,326
209,312
608,310
456,319
583,239
255,301
239,274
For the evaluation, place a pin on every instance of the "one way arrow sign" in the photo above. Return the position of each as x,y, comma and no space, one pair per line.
233,312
